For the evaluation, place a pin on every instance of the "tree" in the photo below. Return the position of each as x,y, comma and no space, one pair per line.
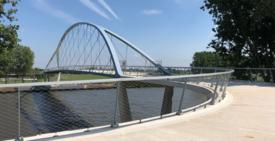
208,59
244,31
5,62
22,59
8,31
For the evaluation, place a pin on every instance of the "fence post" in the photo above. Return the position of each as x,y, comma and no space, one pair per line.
6,79
19,138
215,92
22,78
271,74
181,98
227,77
251,78
33,77
257,74
212,83
223,82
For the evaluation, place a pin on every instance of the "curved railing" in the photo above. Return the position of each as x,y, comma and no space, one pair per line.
48,107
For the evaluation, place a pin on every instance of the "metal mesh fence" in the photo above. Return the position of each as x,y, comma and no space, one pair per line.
8,116
50,107
254,74
246,74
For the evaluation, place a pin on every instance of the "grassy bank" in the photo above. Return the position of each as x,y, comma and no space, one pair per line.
64,77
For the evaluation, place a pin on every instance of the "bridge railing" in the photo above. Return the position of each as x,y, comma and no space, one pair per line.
246,74
52,107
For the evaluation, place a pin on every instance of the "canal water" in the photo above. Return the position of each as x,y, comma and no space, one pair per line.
55,111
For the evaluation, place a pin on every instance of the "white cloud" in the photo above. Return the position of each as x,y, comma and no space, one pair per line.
108,8
46,7
151,12
93,7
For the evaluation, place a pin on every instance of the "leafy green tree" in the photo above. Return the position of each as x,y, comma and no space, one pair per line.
38,71
8,30
8,33
245,31
22,59
5,63
208,59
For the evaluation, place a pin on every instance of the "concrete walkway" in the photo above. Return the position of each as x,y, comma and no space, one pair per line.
249,116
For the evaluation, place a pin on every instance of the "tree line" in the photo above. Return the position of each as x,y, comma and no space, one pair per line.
15,58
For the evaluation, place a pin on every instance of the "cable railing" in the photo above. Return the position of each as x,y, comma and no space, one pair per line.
29,109
244,74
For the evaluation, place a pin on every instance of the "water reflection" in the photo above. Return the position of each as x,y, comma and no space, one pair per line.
56,116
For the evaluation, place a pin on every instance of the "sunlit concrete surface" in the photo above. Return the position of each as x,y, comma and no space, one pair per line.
248,113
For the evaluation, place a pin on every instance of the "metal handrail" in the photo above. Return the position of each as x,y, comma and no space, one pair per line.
114,80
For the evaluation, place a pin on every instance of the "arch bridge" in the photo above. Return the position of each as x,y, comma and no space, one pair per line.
88,48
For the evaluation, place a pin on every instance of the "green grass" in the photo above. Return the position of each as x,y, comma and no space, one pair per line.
15,81
70,77
64,77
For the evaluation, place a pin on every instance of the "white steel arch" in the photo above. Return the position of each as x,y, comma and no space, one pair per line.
114,57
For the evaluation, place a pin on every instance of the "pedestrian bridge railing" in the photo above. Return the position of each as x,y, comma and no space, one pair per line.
29,109
244,74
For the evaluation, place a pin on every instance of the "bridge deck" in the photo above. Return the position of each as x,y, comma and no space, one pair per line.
249,115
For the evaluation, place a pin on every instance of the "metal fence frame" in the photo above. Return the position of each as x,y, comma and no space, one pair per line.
219,83
252,73
249,71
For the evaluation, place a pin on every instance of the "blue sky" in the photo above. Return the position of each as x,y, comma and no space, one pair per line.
167,30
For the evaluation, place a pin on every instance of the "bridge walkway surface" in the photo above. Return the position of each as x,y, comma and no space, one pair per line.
248,113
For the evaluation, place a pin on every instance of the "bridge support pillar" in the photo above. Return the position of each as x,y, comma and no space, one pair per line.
167,100
46,77
58,76
122,105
